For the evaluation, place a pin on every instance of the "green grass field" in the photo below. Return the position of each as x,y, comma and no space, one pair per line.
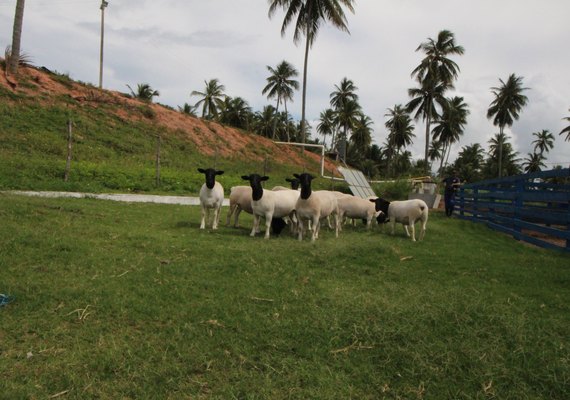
133,301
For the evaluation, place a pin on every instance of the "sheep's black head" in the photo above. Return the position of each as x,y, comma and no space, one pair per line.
210,175
381,205
305,182
277,225
255,182
294,183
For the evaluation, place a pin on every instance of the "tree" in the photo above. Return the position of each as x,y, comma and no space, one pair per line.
501,153
281,85
450,125
326,124
212,98
566,130
144,92
344,102
469,163
346,118
310,14
235,112
435,75
544,141
14,60
362,133
400,132
265,121
533,163
187,109
506,107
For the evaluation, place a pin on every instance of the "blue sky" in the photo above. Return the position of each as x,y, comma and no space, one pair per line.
176,45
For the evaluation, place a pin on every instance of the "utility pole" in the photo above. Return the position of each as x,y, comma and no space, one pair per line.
104,4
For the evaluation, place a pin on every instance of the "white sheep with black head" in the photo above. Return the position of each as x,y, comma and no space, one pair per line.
406,212
211,197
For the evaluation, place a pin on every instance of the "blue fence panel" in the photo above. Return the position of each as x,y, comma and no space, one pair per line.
533,207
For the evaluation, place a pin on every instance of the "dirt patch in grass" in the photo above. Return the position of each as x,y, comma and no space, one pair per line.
210,138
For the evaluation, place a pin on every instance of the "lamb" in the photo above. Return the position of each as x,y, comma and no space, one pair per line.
356,207
406,212
314,205
240,200
272,205
211,197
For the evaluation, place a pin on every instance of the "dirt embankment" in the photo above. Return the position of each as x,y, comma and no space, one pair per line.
209,137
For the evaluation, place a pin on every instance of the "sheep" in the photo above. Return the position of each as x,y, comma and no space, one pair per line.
356,207
272,205
240,200
211,197
294,184
406,212
314,205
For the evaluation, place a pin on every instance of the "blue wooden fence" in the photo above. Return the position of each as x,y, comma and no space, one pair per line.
533,207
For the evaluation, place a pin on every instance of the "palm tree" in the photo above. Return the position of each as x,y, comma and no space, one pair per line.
544,141
144,92
264,121
188,109
14,60
280,84
344,102
362,133
566,130
501,153
212,98
344,92
310,14
533,163
506,106
235,112
469,162
326,124
436,150
450,125
400,131
435,75
346,118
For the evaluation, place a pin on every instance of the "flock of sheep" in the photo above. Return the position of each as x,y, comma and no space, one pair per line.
303,209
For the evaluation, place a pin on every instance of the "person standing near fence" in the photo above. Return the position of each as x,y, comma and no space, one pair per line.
452,183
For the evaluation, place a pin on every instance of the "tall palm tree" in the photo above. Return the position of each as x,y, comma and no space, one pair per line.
435,75
544,141
344,92
265,121
501,153
281,84
533,163
326,126
469,162
566,130
310,15
400,131
212,98
144,92
362,133
16,38
506,106
346,118
450,125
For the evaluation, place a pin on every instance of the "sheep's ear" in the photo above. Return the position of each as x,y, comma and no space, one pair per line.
201,170
297,176
245,177
372,200
264,178
219,172
288,179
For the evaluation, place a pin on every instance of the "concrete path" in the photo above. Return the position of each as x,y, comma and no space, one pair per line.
131,198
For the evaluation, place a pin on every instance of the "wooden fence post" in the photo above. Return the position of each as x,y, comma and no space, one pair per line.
158,159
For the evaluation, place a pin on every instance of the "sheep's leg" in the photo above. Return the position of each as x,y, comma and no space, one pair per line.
337,225
216,220
407,231
300,229
203,220
413,229
316,228
423,231
392,227
341,219
268,218
255,228
236,217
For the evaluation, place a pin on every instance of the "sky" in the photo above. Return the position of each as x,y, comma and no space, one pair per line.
177,45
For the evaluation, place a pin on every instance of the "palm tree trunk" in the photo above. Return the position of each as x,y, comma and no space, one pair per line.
501,152
442,158
303,101
428,125
16,38
276,116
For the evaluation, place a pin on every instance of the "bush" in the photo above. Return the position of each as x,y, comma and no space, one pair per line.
396,190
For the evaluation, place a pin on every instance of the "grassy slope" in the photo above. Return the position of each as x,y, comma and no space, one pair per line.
115,142
108,306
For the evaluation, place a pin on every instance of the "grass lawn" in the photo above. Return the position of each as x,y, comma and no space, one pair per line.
133,301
